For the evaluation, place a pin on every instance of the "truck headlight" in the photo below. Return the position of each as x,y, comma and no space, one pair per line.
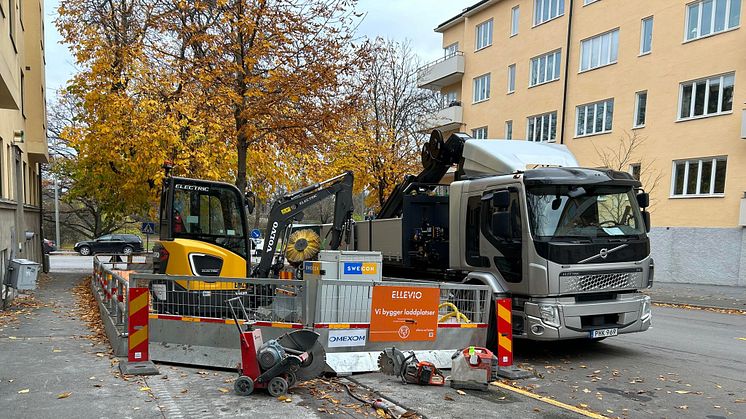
549,315
646,308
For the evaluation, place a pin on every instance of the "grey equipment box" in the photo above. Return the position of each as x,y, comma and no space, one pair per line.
348,299
351,265
23,274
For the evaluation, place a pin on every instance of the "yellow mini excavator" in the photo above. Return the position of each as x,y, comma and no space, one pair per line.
203,233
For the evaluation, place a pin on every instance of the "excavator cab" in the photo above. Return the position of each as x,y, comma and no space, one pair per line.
203,228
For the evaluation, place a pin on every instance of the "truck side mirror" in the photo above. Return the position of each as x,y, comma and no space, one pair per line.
501,225
250,201
646,220
643,199
501,199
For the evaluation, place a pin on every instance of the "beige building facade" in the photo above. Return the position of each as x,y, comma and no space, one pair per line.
668,76
23,143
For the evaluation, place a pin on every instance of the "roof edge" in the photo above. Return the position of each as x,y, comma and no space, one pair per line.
469,11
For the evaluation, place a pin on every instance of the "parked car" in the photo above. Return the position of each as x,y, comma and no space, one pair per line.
48,246
257,245
110,243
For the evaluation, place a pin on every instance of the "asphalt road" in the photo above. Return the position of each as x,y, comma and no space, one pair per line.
690,364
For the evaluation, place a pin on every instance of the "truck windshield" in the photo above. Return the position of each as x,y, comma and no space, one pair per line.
211,214
574,212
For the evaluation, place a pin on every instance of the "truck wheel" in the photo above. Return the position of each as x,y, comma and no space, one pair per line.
84,251
243,386
277,387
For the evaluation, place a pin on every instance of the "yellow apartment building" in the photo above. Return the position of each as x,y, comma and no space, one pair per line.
23,141
597,75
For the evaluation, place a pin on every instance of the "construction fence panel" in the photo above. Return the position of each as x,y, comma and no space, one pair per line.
343,321
189,320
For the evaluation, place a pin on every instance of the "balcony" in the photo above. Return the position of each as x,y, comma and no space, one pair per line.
447,119
442,72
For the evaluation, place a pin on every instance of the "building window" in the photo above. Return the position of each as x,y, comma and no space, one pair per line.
599,51
511,78
542,127
699,177
479,133
587,2
545,68
641,102
12,22
508,130
594,118
635,170
545,10
646,36
450,50
484,34
449,99
709,17
515,14
482,88
706,97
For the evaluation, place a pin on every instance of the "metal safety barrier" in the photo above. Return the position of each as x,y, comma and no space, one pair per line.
186,319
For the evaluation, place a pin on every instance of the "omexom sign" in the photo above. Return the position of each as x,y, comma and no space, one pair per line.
347,338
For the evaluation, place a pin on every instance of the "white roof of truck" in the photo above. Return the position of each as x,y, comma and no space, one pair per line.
499,157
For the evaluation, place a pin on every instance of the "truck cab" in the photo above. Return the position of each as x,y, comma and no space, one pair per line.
568,244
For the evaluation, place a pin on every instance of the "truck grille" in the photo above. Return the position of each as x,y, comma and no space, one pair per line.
598,281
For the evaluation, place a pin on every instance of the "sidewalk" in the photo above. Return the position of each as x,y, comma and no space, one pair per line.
717,296
44,355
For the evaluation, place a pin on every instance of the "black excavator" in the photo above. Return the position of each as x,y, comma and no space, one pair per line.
290,207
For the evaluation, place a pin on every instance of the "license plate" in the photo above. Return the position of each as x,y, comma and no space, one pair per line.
603,333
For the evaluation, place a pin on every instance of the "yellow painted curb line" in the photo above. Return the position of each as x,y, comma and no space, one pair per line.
553,402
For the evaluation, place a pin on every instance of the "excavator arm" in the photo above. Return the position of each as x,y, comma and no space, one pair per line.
285,210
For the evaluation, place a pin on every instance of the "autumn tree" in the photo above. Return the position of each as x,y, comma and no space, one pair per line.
224,89
382,144
283,69
81,216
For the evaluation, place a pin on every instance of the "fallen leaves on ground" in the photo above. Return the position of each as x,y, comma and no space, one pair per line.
712,309
461,392
223,390
64,395
23,305
86,309
24,391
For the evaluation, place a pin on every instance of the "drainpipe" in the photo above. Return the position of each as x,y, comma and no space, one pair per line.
19,247
567,68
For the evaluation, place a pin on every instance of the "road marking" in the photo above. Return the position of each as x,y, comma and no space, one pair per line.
553,402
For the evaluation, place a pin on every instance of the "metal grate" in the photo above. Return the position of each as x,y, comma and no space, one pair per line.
574,282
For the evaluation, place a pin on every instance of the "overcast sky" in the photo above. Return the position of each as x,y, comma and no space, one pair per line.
394,19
